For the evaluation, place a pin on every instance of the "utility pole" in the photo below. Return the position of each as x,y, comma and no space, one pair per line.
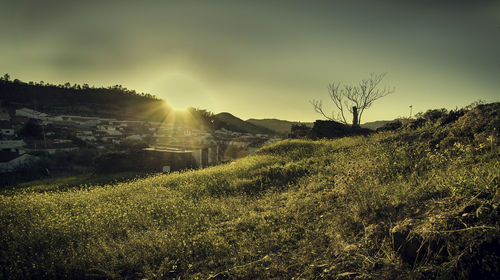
411,107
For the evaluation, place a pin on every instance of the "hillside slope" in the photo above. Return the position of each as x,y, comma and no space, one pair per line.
111,102
279,126
114,102
233,123
416,203
374,125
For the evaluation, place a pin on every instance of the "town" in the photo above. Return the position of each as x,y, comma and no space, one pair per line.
28,136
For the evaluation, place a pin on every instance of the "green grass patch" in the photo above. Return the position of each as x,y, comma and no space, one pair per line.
375,207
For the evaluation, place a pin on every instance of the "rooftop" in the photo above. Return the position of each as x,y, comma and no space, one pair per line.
6,156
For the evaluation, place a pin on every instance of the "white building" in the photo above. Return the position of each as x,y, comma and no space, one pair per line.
109,130
52,147
32,114
11,161
11,144
135,137
86,135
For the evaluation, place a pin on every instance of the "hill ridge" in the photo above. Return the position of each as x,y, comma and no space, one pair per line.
231,122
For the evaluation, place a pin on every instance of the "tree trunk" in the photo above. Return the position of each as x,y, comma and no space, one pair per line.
355,117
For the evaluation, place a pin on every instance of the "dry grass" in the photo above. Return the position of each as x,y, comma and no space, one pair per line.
372,207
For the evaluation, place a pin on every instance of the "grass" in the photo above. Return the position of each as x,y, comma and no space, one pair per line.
389,205
61,183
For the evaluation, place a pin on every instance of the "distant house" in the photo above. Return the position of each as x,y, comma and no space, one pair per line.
10,161
51,147
129,123
109,130
120,123
134,137
242,142
81,119
59,141
203,155
11,145
223,131
86,135
32,114
110,139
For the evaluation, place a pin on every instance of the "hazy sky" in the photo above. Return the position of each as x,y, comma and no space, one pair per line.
261,59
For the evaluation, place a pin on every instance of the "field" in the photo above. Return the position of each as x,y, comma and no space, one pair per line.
416,203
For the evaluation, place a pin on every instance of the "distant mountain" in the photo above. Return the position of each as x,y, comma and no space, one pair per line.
230,122
374,125
283,127
279,126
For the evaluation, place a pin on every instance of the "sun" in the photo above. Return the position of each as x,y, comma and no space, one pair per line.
181,88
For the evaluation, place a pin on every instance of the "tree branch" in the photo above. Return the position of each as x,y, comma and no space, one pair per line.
318,107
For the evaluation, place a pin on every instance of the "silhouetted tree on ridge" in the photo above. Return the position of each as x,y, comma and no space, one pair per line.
355,99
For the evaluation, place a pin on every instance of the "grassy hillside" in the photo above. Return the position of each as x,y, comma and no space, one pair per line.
233,123
279,126
417,203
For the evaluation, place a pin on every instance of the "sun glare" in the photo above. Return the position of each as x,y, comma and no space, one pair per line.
182,89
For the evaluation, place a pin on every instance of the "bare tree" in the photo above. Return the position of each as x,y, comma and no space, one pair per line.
354,99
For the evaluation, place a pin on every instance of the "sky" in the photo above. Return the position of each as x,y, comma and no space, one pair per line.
261,59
